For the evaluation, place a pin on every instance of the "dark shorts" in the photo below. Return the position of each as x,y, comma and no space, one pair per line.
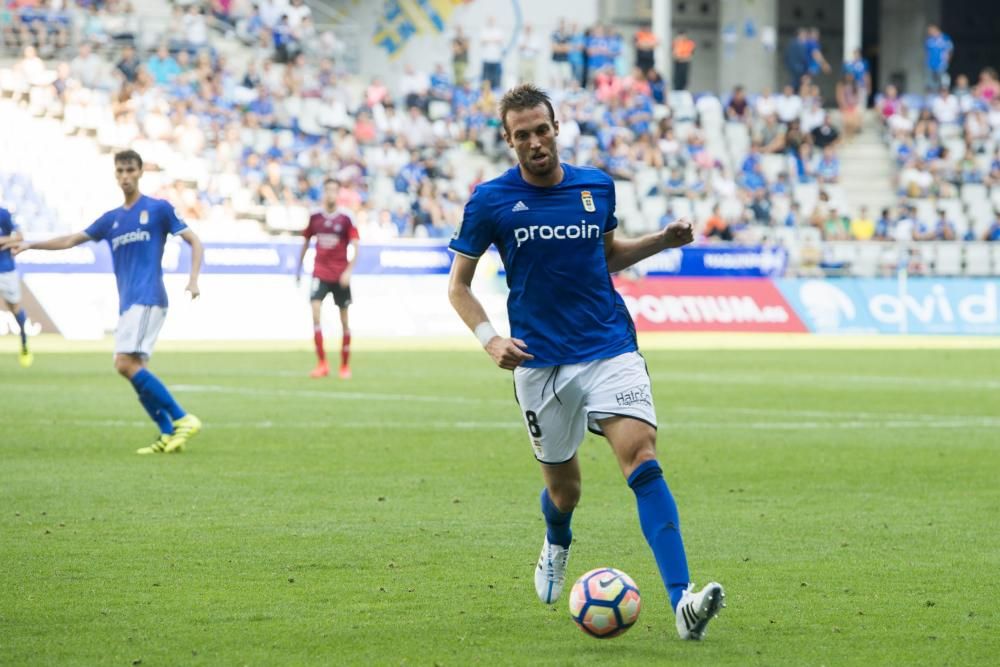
341,295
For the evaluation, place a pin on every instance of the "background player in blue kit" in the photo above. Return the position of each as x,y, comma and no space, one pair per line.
10,282
137,232
573,347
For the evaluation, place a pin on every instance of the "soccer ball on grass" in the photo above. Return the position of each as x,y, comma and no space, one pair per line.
604,602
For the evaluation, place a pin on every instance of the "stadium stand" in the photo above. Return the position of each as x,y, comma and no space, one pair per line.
241,114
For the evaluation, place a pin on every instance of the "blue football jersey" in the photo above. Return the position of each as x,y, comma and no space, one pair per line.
562,302
7,227
137,236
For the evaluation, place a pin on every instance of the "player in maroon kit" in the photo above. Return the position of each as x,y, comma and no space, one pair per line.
334,231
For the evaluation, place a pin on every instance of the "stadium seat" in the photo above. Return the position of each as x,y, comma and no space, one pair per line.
974,192
866,264
682,207
948,258
977,259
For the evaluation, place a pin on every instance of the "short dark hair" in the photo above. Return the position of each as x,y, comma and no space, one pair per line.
128,156
524,96
330,179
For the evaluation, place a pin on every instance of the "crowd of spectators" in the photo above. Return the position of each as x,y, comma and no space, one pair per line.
263,135
946,146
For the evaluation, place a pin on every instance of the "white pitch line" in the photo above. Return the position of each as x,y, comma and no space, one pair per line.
334,395
827,381
513,424
829,414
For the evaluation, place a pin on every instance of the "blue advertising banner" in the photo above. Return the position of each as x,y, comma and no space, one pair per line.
758,262
407,257
924,306
276,257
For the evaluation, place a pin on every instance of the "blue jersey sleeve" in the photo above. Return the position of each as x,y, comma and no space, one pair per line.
171,223
478,228
7,225
611,222
99,230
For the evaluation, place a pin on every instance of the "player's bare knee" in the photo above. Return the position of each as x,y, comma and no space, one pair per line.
126,365
634,457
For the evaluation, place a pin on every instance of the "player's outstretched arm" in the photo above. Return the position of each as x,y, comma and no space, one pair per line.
623,253
507,353
197,255
57,243
302,258
10,239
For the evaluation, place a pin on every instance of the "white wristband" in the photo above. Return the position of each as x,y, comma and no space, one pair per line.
485,333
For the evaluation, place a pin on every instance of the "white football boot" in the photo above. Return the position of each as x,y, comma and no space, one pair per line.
550,574
695,610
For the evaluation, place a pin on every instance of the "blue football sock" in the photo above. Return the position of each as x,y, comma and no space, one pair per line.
161,418
145,382
556,522
22,319
661,526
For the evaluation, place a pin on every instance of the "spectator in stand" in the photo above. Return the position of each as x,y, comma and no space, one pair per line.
127,67
968,168
87,67
738,108
836,227
716,227
945,107
459,55
860,72
794,217
825,135
850,101
889,105
788,105
817,62
682,49
668,216
645,42
943,229
657,86
938,49
862,226
988,86
963,93
414,87
529,48
578,55
297,12
883,226
813,116
828,168
491,52
162,66
798,58
993,178
598,50
560,44
992,232
760,207
766,104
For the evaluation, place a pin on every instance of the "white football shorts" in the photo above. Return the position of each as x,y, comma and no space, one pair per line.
559,402
138,328
10,287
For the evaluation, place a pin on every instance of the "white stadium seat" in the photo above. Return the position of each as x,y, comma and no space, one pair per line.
977,259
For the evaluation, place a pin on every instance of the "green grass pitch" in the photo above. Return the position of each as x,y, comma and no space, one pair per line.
848,500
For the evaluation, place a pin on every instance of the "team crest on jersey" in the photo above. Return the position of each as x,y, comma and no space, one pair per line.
144,217
588,201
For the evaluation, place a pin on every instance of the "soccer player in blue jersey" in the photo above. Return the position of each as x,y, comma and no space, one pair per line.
137,232
573,346
10,282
